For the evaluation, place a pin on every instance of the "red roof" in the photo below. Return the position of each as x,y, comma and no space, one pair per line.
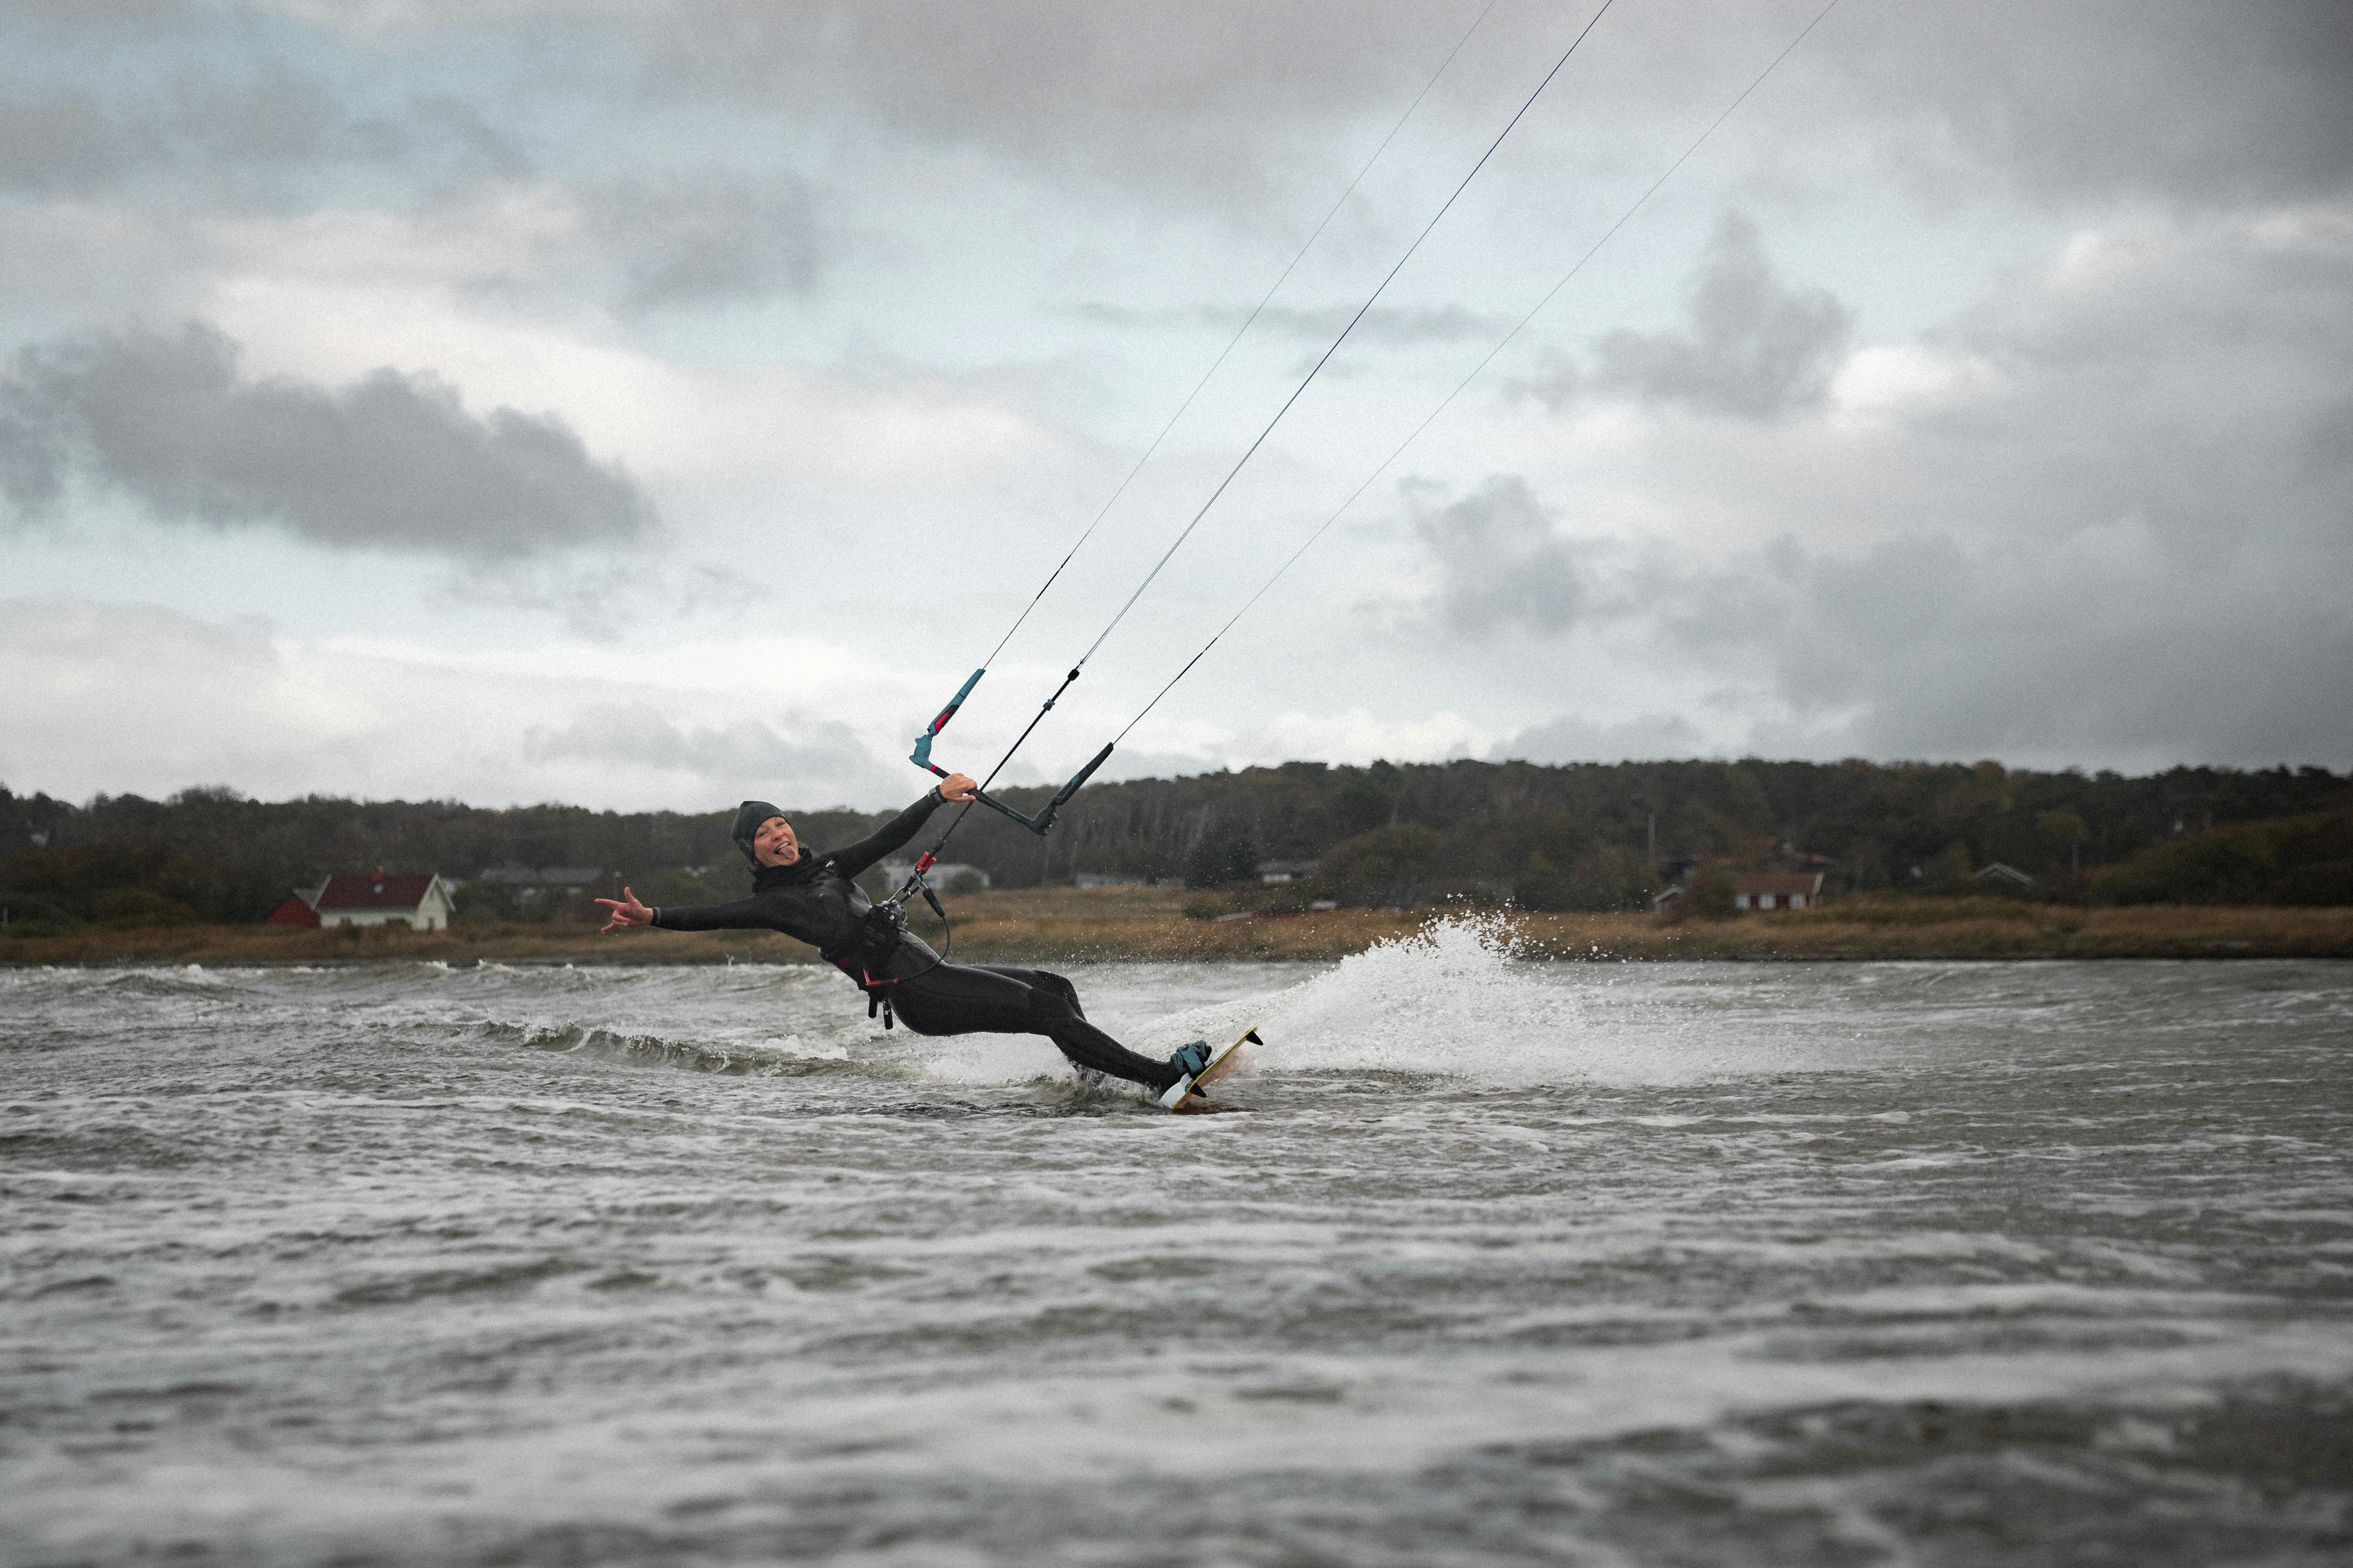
292,912
1779,883
404,890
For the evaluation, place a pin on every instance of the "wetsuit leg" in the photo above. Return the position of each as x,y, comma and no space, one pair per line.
960,999
1043,980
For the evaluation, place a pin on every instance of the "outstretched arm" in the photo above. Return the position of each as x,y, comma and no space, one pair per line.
894,834
742,914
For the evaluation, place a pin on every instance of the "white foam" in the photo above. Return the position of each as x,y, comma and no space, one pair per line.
1457,999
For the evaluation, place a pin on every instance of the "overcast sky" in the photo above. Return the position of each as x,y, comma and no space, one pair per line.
651,407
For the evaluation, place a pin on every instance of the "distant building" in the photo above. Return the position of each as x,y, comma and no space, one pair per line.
419,900
1996,872
531,883
300,908
293,911
1273,873
1777,890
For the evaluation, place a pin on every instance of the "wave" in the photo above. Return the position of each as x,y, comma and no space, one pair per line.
787,1057
172,980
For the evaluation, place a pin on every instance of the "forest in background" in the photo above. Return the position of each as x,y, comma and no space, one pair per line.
1579,836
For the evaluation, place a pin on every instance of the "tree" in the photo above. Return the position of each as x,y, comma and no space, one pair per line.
1221,859
1948,872
1712,895
1395,865
1541,886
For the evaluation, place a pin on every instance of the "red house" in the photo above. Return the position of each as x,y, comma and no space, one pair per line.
1777,890
295,911
418,899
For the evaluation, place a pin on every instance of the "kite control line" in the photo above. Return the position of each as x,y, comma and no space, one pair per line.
1044,820
922,754
1477,370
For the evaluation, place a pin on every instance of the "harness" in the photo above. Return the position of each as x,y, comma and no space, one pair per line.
877,937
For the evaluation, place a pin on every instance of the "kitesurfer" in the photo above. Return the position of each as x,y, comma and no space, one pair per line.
815,897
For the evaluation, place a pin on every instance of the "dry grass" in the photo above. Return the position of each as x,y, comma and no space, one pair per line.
464,944
1148,922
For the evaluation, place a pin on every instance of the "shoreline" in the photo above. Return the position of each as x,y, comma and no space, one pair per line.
1148,923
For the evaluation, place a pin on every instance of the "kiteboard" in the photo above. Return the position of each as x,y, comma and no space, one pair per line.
1219,1064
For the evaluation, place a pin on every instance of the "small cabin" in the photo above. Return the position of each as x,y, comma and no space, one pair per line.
1777,890
418,899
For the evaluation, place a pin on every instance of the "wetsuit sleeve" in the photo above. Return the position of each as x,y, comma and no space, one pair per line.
889,837
742,915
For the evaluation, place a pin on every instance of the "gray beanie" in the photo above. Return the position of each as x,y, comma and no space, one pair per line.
748,818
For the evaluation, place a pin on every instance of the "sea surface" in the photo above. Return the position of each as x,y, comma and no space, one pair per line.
1505,1262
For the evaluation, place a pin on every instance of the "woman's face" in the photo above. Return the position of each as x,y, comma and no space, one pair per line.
774,844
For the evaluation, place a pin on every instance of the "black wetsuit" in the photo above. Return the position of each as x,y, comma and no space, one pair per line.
817,900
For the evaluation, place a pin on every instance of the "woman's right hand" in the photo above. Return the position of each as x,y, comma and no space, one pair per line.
629,913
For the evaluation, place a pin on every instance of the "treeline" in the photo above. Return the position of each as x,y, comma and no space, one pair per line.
1585,836
211,855
1600,836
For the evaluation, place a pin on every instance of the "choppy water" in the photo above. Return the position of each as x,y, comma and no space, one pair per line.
1858,1264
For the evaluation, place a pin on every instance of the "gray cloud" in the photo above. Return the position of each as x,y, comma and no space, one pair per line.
2113,651
2210,104
698,237
1501,562
2163,584
809,759
60,141
1922,647
2089,100
1756,349
215,136
1192,91
2185,380
391,461
2094,98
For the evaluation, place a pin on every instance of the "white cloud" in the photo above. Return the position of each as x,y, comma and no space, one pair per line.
1575,738
1166,748
137,699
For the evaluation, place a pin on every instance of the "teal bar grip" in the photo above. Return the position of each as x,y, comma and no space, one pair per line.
1061,797
922,755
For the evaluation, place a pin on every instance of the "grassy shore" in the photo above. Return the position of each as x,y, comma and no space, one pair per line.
1061,923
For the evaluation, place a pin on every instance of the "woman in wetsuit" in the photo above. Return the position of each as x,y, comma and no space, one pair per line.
817,900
